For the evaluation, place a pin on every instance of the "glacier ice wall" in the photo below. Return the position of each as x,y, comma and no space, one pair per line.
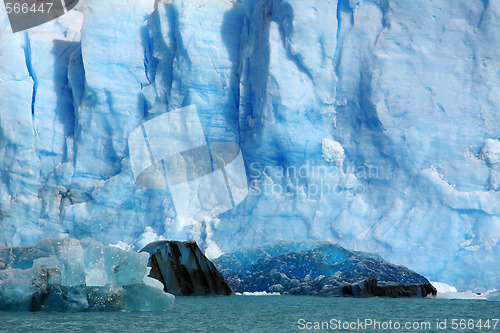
371,123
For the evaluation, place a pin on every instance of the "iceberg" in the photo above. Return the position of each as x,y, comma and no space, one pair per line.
449,292
69,275
372,124
183,269
318,268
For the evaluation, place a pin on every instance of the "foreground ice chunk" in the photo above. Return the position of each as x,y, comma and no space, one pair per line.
68,275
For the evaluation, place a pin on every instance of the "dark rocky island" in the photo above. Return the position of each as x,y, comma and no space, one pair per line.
370,287
184,270
318,268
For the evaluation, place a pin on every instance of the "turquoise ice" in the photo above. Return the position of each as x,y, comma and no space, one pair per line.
372,124
68,275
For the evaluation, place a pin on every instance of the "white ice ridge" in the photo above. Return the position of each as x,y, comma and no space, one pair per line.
258,293
449,292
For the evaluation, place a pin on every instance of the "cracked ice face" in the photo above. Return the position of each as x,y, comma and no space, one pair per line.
404,88
204,179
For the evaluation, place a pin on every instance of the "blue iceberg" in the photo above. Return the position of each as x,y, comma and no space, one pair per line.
69,275
318,268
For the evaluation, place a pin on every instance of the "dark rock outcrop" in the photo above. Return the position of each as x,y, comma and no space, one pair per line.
184,269
370,287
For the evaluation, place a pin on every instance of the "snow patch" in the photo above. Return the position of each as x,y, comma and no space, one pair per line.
332,151
258,293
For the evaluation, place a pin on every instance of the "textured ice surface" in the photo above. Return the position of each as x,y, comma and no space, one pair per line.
308,268
69,275
372,124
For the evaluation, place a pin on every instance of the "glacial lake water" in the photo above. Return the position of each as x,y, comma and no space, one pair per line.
274,314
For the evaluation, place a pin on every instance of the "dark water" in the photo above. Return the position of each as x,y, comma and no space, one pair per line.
273,314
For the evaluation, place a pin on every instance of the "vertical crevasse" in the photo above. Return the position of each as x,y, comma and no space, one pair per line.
371,123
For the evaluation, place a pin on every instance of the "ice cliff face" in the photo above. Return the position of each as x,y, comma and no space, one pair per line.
373,124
